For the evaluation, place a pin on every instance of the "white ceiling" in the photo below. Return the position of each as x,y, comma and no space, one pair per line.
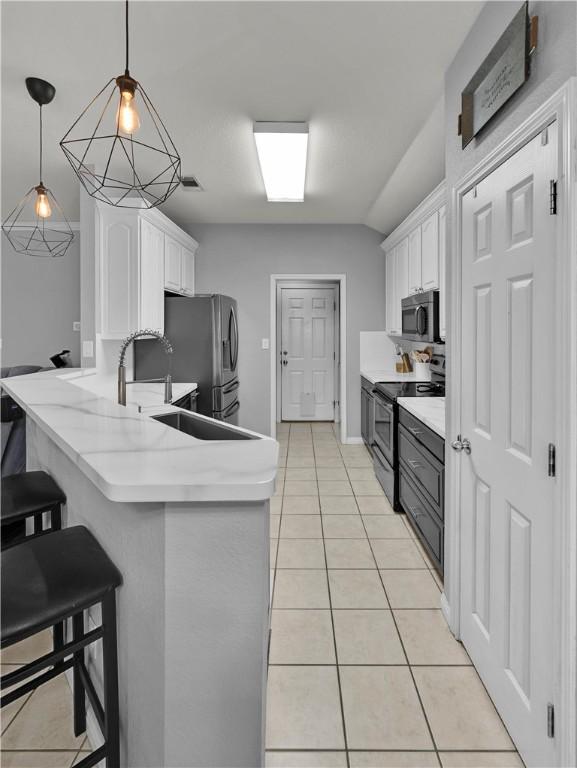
366,75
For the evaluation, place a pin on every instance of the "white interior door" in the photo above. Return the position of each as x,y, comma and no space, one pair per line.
307,354
508,415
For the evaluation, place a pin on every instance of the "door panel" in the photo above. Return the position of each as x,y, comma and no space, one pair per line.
508,414
307,358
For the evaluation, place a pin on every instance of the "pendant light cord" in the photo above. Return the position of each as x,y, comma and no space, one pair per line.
126,29
41,144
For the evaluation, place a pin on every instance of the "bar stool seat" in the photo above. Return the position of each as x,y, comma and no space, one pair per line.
45,581
27,494
50,577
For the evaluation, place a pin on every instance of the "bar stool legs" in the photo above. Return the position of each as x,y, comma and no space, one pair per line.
79,694
110,662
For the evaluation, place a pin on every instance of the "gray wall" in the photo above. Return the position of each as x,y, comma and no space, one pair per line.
238,260
40,301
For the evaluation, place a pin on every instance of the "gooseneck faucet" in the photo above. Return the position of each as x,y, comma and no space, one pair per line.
122,368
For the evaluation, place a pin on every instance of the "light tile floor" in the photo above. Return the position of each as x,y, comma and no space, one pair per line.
363,670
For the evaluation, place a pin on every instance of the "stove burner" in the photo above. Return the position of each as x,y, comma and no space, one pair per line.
431,386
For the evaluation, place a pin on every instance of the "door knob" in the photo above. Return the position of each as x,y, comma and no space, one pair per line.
285,352
284,362
461,445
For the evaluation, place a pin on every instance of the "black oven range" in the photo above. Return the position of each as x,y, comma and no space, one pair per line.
386,417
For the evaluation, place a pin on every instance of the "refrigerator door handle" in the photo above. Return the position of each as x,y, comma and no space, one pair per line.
234,385
233,349
231,410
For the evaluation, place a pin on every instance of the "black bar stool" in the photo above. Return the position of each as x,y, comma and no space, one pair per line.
45,581
30,494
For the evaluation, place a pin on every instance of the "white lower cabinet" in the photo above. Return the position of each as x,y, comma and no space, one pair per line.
139,254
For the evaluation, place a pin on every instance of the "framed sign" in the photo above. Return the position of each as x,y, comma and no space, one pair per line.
504,71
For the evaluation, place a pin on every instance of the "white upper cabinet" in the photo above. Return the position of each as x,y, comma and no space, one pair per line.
187,271
139,254
178,267
415,260
430,252
151,277
391,291
397,285
172,264
442,276
402,279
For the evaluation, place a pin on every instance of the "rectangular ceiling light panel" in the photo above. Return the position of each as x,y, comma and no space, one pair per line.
282,154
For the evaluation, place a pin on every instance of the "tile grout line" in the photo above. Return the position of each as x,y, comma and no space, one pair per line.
332,622
405,653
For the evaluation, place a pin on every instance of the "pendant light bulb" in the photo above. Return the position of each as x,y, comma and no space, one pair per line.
127,117
42,207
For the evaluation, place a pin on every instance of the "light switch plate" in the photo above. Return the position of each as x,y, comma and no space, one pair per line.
87,349
76,325
265,344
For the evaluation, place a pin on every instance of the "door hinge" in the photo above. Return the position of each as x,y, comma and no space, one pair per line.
550,721
553,197
551,456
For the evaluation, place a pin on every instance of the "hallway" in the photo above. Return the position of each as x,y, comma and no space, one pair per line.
363,670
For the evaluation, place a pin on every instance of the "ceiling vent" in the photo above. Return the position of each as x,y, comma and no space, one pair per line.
190,182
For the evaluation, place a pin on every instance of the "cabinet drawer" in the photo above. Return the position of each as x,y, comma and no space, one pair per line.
426,471
423,519
431,440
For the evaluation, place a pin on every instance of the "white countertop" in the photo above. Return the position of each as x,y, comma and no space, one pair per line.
376,376
131,457
429,410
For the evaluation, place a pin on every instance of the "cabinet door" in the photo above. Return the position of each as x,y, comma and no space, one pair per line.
172,264
442,276
430,252
402,279
415,260
117,249
151,277
390,291
187,280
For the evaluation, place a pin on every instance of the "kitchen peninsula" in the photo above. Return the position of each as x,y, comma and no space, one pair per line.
187,523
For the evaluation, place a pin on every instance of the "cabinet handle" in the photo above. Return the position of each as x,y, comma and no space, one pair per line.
415,464
415,431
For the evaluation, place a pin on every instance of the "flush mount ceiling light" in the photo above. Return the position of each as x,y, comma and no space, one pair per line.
121,157
282,154
29,227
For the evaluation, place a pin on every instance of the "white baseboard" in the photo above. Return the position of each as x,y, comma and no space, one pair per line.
445,608
354,441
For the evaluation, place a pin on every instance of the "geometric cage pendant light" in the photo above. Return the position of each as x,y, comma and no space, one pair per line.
30,227
119,147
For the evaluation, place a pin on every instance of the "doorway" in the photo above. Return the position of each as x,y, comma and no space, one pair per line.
308,352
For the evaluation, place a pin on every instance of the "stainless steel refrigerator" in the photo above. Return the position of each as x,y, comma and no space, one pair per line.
203,331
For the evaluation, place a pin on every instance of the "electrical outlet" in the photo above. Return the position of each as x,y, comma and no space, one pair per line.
264,344
87,349
76,325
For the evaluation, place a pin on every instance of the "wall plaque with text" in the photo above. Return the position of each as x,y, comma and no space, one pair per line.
502,73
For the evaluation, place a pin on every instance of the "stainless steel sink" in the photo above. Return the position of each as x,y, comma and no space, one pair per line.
199,428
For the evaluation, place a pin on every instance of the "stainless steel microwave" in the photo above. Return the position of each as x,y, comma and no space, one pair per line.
420,316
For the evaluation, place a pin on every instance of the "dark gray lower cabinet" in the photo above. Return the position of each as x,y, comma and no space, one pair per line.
422,483
367,412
